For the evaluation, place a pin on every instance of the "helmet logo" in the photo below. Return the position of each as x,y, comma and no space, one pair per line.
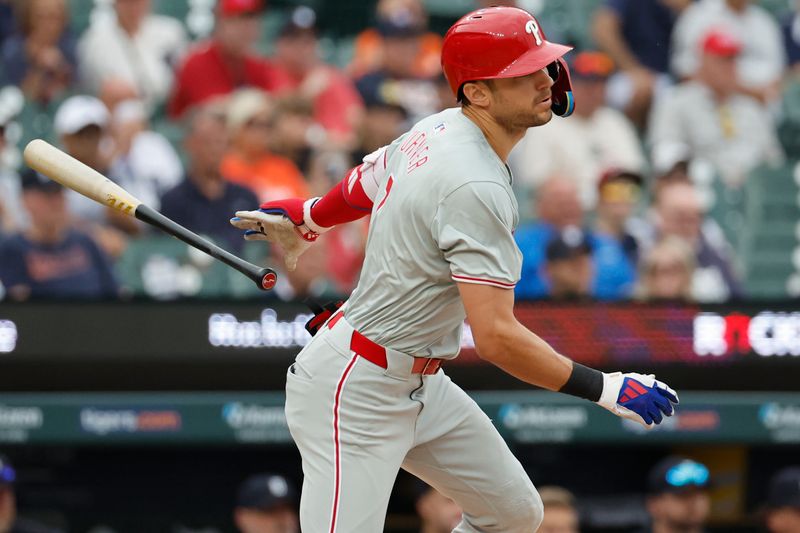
533,28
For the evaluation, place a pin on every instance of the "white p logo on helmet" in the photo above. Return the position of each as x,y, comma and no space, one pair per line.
533,28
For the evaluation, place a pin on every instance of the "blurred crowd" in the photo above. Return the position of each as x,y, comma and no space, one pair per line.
678,103
677,498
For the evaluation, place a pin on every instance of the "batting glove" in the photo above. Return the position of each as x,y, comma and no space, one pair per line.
286,223
637,397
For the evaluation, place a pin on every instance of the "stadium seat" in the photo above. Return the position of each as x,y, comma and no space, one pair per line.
769,238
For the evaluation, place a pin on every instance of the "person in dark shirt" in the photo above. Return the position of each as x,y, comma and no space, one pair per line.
204,200
49,259
396,81
790,27
636,34
40,58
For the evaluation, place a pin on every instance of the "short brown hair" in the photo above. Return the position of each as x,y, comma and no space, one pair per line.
553,496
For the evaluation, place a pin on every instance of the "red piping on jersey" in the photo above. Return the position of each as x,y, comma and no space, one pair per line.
336,443
467,279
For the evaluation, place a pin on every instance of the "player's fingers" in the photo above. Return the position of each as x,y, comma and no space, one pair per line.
290,260
667,392
664,405
241,223
252,235
655,415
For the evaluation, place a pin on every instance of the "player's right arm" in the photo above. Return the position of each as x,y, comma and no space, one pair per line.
295,223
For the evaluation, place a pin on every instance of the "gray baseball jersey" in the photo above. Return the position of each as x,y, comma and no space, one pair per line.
444,212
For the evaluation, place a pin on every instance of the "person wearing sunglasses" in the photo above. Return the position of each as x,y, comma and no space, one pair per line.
678,499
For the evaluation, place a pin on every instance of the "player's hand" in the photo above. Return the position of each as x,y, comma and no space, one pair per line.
637,397
280,222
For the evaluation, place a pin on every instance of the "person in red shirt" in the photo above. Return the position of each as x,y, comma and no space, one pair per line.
226,62
299,70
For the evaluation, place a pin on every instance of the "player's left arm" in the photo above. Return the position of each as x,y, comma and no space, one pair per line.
295,223
504,342
472,227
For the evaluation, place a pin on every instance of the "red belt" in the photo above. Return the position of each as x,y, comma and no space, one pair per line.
375,353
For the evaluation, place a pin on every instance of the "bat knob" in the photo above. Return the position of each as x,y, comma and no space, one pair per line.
268,280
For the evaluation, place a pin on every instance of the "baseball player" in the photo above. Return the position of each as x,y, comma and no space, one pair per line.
366,396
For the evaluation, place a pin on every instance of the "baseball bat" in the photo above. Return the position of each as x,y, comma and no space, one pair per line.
71,173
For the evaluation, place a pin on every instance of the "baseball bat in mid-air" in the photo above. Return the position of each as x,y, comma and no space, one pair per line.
71,173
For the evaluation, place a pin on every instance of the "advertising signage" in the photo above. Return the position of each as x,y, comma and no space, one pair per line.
229,337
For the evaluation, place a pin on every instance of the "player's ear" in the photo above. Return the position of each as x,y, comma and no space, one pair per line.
477,93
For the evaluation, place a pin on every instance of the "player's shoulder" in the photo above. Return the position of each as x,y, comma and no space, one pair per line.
458,144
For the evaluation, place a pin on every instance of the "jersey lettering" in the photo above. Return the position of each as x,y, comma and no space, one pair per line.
415,148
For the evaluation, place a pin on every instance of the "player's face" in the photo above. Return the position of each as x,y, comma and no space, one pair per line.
523,102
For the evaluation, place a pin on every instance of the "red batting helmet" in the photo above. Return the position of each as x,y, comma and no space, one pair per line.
504,42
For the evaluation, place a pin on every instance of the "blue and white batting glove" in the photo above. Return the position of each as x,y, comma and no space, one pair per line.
637,397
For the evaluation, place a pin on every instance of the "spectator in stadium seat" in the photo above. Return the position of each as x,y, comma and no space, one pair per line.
384,121
616,250
666,271
226,62
40,57
12,215
396,79
759,69
568,268
300,71
557,206
368,47
619,192
266,504
783,501
560,515
81,124
712,119
295,133
143,162
249,161
595,138
636,34
677,496
50,259
10,522
135,45
437,513
678,211
205,201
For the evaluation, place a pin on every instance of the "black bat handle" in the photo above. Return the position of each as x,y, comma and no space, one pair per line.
265,278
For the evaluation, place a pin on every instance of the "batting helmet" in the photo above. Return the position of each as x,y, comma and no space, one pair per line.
504,42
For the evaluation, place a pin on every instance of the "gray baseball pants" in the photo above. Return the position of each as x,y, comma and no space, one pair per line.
356,424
